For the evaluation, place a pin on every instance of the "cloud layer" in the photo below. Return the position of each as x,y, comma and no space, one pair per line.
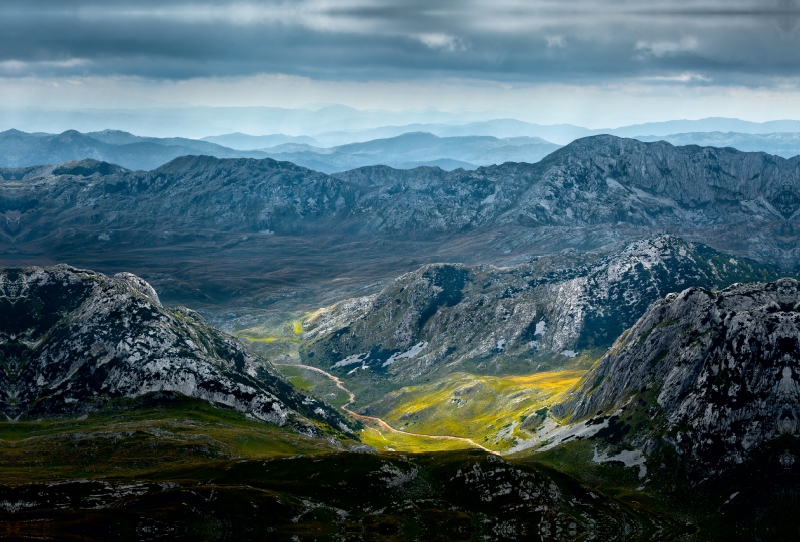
735,42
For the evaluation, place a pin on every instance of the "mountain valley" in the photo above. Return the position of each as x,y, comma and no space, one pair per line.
399,271
125,417
583,348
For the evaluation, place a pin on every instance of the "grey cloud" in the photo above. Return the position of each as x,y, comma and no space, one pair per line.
733,42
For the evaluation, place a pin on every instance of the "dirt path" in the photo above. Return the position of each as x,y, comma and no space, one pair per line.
352,398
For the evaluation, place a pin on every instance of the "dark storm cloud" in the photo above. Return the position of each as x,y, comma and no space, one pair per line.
587,41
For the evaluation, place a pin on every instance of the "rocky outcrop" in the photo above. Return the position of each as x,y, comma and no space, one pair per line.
72,341
723,367
489,319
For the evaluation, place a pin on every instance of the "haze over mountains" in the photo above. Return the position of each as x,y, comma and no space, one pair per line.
19,149
785,144
416,149
133,152
448,145
334,125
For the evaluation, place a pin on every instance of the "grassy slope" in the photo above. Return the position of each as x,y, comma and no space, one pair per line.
139,436
490,410
373,434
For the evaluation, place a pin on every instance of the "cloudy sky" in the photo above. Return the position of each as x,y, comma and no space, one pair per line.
590,62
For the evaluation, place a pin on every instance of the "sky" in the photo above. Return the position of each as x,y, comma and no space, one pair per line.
596,63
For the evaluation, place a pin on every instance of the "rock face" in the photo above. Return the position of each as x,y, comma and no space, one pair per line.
724,367
488,319
72,341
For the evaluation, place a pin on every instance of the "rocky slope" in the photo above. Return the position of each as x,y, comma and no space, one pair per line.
72,341
443,318
716,373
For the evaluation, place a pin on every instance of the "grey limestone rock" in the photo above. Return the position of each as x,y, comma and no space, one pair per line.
72,340
724,367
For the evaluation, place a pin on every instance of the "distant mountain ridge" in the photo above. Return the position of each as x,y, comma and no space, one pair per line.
334,125
785,144
244,142
18,149
416,149
564,134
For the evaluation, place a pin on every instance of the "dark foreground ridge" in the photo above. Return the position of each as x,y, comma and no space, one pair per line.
454,496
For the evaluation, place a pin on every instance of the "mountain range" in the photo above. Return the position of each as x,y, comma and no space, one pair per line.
369,223
611,330
453,147
334,125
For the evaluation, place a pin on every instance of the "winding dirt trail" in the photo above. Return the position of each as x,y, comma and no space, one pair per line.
352,398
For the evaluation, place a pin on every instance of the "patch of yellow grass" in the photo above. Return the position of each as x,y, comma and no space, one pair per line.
555,381
486,409
261,339
388,441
